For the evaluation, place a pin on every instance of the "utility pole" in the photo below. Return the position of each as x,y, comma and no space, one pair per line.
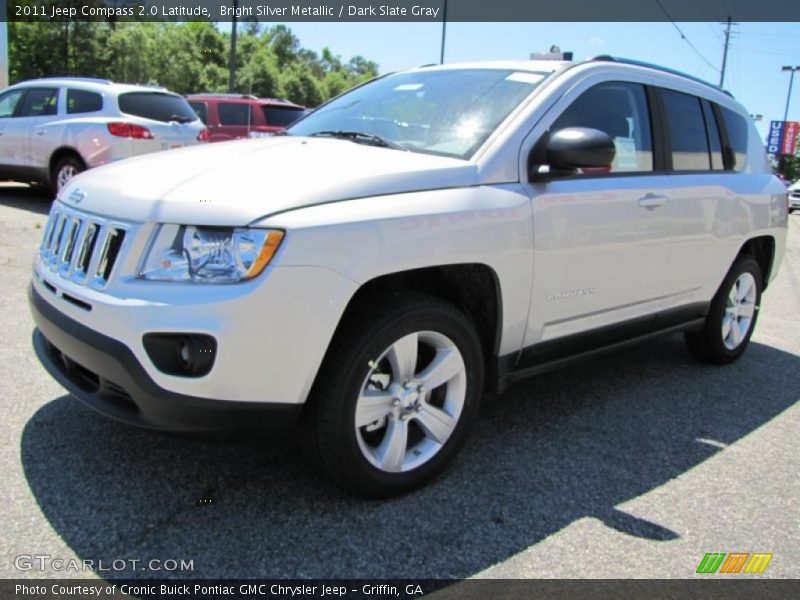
725,52
444,31
232,65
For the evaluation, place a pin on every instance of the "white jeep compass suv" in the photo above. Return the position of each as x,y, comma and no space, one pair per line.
421,239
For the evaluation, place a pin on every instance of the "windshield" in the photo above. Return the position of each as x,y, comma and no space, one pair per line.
449,113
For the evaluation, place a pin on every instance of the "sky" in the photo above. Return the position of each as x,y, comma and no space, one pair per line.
753,73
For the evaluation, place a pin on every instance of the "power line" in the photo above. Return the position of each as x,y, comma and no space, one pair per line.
686,39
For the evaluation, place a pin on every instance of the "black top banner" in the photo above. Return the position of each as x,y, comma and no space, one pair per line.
403,10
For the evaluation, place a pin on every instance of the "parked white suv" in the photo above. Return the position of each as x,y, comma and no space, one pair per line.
423,238
52,129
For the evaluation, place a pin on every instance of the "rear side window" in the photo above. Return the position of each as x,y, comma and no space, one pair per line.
736,126
687,132
81,101
714,139
619,109
281,116
233,113
9,101
157,106
39,102
202,111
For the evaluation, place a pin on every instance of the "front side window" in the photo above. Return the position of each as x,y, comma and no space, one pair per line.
234,113
447,112
39,102
687,131
736,127
9,101
620,110
82,101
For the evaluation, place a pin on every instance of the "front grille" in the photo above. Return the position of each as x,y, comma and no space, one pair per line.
81,247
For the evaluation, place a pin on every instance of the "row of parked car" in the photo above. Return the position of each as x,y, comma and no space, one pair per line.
52,129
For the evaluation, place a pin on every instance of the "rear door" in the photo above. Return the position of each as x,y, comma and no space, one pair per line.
38,111
168,117
602,236
710,188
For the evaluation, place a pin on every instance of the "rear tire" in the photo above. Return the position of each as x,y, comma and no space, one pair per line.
732,315
66,168
396,395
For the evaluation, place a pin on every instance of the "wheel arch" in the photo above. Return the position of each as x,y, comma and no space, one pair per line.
762,249
58,154
474,288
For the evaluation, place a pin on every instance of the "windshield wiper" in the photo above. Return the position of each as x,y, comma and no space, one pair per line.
360,137
180,119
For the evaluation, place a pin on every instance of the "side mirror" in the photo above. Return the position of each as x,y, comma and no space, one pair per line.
574,148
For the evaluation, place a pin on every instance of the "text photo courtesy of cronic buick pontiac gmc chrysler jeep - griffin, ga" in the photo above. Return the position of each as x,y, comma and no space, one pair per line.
405,250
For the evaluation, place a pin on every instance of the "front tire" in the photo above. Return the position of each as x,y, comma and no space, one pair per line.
396,394
732,316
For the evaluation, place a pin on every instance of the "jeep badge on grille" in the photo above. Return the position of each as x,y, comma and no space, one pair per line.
76,196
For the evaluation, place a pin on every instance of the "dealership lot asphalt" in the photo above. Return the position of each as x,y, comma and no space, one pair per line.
631,465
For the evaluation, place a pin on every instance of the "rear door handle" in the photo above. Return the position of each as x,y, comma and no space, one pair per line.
41,131
651,201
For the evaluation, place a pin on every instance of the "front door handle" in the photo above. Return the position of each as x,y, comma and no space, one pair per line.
651,201
41,131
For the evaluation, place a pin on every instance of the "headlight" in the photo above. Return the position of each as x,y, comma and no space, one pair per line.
209,254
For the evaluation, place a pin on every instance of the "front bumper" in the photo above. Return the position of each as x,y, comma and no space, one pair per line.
794,201
106,375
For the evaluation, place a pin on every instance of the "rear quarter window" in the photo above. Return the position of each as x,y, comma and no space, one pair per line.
281,116
157,106
82,101
737,137
233,113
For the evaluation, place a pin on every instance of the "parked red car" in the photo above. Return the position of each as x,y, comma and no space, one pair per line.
235,116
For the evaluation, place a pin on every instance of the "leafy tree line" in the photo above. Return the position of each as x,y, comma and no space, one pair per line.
183,57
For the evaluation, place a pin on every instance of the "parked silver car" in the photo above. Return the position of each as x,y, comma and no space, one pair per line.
51,129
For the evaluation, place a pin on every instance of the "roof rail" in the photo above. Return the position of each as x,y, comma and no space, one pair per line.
83,79
639,63
223,95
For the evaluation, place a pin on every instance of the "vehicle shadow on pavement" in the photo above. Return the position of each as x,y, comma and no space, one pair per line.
34,199
569,444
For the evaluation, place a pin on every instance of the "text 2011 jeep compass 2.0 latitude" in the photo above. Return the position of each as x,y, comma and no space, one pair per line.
418,240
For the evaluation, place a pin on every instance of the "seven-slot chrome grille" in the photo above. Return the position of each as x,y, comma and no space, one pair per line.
81,247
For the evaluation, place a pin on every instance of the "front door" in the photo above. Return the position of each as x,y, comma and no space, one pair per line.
602,236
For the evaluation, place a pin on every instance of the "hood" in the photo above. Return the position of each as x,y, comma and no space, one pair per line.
236,183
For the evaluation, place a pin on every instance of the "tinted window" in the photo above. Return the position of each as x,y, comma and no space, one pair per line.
619,109
713,137
81,101
201,109
39,102
9,101
231,113
157,106
736,126
687,132
281,116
